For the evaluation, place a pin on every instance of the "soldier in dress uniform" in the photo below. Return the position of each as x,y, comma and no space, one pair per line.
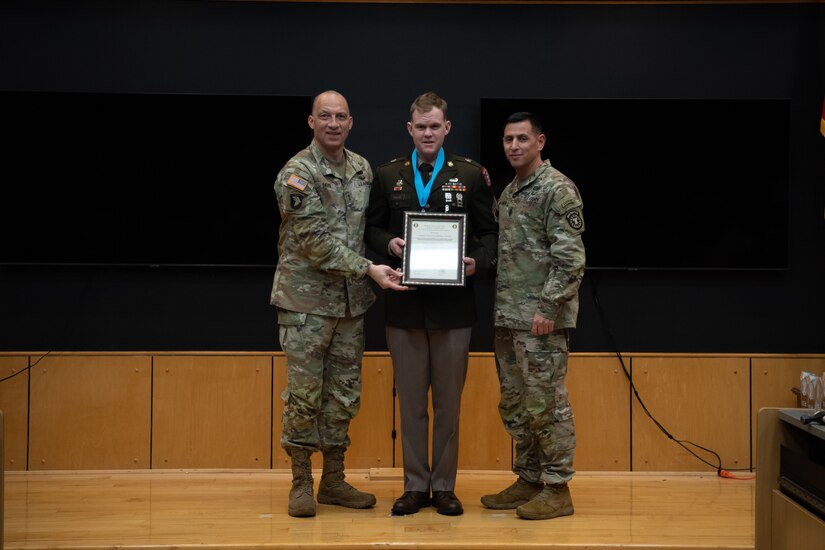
540,267
428,330
321,293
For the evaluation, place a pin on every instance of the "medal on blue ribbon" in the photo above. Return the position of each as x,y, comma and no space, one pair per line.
422,190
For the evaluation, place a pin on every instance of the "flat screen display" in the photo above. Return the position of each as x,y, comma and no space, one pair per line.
145,179
666,183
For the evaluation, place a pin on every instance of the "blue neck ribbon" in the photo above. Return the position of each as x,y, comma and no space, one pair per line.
424,190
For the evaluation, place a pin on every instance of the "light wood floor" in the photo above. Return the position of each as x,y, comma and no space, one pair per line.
245,510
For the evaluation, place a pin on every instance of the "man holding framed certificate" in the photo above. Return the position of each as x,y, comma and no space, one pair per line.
321,293
433,213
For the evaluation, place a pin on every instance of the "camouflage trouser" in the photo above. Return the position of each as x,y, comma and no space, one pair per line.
323,388
534,405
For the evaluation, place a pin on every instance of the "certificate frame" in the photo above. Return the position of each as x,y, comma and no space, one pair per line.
434,248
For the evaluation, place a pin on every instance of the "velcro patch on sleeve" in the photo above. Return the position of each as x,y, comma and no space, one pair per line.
297,182
574,218
296,201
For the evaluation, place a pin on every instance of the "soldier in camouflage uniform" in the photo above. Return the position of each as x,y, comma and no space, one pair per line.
540,267
321,293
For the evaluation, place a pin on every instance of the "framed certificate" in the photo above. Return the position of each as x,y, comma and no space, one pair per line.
434,250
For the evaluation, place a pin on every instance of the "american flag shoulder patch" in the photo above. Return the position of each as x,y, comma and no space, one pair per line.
297,182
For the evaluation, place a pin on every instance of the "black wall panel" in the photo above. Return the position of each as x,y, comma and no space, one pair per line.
381,56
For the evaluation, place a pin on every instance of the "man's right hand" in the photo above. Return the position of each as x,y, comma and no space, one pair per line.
386,277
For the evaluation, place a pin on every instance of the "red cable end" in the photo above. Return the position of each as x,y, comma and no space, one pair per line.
728,475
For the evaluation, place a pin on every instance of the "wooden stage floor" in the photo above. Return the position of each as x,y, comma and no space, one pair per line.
246,510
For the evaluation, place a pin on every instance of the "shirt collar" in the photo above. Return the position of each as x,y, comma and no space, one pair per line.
326,164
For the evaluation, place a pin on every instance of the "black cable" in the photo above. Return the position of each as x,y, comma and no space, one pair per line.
681,442
30,367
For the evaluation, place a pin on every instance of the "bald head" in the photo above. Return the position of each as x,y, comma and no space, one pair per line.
329,94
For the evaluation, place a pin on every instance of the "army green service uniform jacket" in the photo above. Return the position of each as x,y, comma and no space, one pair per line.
462,186
321,265
541,254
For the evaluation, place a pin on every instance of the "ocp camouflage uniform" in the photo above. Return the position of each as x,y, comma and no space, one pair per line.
321,293
540,267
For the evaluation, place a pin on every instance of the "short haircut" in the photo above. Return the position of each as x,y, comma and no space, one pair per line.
521,116
428,101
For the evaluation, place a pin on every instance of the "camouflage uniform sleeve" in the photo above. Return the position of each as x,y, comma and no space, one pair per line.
368,173
564,226
302,209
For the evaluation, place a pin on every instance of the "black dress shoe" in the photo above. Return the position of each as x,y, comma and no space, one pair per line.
447,504
410,503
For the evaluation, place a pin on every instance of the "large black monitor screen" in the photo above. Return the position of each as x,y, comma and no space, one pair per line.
666,183
145,179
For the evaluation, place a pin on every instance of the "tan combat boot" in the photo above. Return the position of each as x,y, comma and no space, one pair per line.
520,492
301,501
334,490
554,501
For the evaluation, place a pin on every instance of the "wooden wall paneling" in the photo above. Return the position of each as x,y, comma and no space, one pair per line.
212,411
600,396
90,412
14,402
701,399
771,381
371,431
483,442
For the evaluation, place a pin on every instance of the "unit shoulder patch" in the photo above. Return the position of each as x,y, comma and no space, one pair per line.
486,175
296,201
575,220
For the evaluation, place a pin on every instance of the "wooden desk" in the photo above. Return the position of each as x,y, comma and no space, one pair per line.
781,523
